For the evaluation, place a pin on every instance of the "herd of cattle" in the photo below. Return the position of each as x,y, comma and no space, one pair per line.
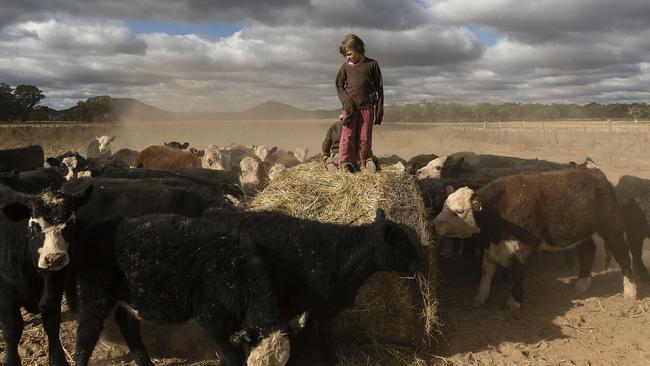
165,235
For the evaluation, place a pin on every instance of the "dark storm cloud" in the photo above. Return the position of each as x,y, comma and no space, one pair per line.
541,21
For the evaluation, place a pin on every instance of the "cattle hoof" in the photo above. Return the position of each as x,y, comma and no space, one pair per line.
582,285
513,305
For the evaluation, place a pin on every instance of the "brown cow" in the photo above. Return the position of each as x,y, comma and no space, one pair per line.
513,216
164,157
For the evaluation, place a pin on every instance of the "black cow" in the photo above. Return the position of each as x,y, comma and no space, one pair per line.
419,161
170,268
319,267
22,158
134,197
35,232
32,181
221,182
514,216
72,165
633,194
127,156
470,165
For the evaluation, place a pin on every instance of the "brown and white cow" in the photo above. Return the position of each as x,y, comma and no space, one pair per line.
164,157
513,216
215,158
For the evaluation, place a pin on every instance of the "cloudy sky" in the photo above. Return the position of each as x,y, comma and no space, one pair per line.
220,55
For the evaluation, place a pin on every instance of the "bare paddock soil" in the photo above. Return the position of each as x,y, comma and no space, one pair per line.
554,327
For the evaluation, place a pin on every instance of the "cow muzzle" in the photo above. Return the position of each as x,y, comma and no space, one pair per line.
55,261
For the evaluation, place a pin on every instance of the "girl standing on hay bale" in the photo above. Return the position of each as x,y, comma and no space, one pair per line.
360,89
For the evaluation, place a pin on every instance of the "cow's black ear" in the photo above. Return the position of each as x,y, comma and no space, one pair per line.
53,162
185,145
16,211
273,150
80,199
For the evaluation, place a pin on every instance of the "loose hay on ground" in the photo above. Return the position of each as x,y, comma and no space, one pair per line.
388,309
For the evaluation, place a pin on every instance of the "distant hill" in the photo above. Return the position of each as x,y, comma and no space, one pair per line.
105,108
267,110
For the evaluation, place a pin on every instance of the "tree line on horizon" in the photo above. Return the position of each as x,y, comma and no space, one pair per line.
22,103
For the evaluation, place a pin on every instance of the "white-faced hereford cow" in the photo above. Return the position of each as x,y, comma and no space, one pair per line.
22,158
164,157
513,216
100,147
35,232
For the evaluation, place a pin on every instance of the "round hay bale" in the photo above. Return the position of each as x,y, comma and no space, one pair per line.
388,308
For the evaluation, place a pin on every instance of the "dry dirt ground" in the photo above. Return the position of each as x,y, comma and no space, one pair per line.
554,327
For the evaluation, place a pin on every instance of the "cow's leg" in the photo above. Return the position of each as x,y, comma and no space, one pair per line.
130,330
94,307
12,326
518,273
615,241
489,266
586,254
635,240
50,307
262,314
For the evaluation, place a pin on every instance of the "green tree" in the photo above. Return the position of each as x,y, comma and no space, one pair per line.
94,109
8,106
27,97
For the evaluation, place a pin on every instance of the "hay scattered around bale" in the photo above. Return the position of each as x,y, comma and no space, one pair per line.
388,309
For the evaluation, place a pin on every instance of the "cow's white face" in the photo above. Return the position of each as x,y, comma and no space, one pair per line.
53,254
276,170
70,162
456,220
301,154
104,143
250,171
263,152
215,159
431,170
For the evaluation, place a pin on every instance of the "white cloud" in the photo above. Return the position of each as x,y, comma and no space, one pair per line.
547,51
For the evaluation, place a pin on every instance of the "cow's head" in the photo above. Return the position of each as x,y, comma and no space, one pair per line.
276,170
50,218
301,154
396,251
263,152
457,219
177,145
68,164
253,174
215,159
104,143
432,170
